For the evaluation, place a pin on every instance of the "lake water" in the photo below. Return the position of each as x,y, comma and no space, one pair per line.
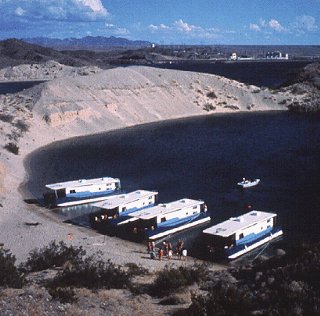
260,73
13,87
204,158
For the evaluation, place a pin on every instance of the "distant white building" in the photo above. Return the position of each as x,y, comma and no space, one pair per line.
233,56
276,55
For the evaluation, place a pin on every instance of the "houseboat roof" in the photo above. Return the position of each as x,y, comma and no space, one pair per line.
121,199
235,224
81,183
163,209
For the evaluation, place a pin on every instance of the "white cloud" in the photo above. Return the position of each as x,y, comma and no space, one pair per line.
189,30
255,27
183,26
305,23
265,27
276,26
121,31
19,11
56,10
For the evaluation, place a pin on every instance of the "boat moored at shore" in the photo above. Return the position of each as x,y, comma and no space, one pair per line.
165,219
239,235
80,191
115,210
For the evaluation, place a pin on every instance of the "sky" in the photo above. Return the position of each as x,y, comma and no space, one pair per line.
251,22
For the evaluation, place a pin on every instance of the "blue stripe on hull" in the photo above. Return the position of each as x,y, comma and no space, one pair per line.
259,237
83,196
174,223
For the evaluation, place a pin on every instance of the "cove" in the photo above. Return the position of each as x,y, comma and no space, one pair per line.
203,158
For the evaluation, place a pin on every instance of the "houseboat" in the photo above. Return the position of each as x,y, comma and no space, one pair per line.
165,219
80,191
239,235
115,209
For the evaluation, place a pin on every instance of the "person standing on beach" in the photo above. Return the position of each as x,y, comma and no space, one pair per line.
160,253
179,248
170,250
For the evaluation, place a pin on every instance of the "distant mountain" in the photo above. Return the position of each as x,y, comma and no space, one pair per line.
87,43
15,52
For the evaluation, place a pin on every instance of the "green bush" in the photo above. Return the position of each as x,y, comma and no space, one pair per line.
54,255
171,279
10,276
92,274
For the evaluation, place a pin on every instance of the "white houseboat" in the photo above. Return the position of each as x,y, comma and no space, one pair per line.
239,235
80,191
165,219
115,209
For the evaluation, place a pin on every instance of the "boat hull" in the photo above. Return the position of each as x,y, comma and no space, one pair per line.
165,231
248,184
84,199
242,249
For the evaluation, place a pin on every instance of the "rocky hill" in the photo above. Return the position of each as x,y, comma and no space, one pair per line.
306,85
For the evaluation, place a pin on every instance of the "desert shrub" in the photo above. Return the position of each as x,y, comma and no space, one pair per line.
21,126
232,107
134,269
6,117
12,147
208,107
171,279
92,274
63,294
221,300
10,276
211,95
53,255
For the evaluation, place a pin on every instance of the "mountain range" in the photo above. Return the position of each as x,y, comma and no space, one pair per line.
88,43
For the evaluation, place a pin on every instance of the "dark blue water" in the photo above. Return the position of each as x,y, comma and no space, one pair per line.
13,87
203,158
270,74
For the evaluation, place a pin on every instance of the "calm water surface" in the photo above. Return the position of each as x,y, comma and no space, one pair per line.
203,158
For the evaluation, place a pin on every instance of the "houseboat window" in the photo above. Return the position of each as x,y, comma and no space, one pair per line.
241,236
195,207
150,197
72,191
194,212
163,219
269,220
150,202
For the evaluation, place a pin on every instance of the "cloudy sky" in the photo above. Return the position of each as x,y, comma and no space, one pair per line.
166,21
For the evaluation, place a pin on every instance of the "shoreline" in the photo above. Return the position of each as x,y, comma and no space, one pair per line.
48,215
139,95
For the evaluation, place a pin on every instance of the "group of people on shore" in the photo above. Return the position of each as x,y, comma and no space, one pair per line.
166,250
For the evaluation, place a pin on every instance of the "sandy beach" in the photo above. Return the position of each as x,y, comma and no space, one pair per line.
87,104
